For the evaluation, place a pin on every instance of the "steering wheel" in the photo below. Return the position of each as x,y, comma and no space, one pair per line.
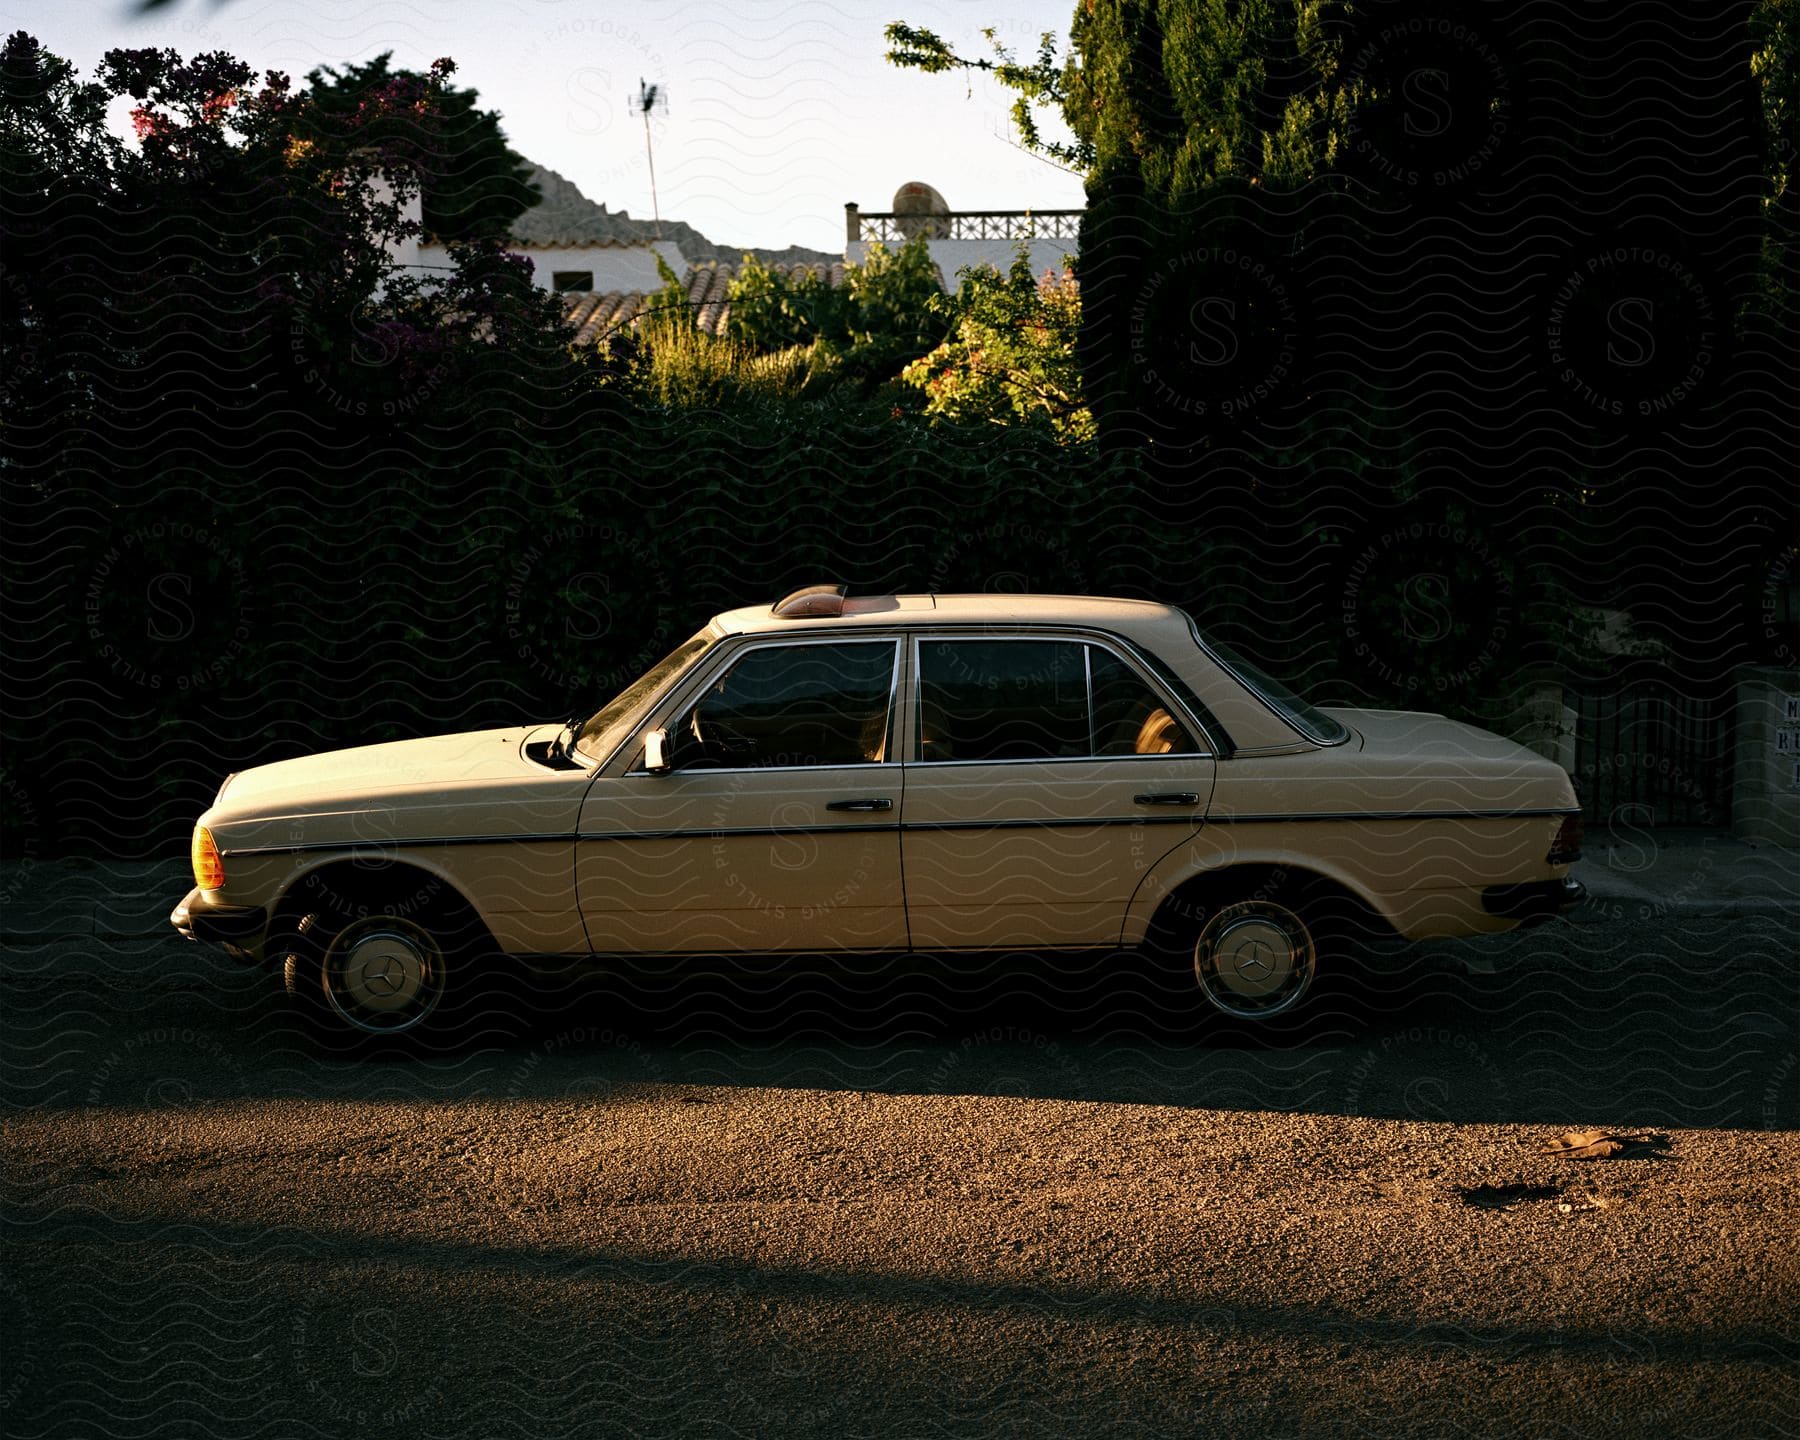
705,753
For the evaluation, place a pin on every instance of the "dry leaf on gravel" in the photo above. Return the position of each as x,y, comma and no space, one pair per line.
1602,1145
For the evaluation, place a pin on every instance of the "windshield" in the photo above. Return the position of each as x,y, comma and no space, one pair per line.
1305,717
603,730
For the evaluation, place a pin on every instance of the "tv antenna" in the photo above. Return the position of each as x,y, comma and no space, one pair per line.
648,98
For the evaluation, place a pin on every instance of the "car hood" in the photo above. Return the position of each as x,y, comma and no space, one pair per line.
376,776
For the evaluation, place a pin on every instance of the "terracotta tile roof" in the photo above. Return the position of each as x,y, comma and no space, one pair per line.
595,314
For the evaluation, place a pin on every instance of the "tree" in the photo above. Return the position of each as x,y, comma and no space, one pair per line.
1775,67
772,311
1480,224
473,184
205,337
891,317
884,316
238,258
1043,84
1203,130
1010,356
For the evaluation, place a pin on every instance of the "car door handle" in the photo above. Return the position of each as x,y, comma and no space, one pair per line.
860,805
1168,797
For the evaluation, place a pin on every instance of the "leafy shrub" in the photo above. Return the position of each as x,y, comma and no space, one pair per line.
1010,358
881,318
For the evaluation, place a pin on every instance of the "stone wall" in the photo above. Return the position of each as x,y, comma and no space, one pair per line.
1765,790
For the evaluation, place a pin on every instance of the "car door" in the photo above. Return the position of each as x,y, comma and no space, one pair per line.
1049,774
777,826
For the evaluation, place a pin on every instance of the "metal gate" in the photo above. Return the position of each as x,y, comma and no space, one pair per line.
1649,755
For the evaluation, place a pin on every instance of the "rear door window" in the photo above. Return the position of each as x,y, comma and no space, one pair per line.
1003,700
986,700
1130,718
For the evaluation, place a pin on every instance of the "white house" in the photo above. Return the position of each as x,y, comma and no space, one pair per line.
604,262
574,244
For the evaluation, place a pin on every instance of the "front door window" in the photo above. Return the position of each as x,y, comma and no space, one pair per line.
793,705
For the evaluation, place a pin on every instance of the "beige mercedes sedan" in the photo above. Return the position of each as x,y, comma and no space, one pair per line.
888,773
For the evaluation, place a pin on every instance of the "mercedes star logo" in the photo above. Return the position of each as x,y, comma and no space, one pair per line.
1255,960
383,976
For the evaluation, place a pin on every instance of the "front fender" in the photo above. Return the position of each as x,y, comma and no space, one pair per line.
522,891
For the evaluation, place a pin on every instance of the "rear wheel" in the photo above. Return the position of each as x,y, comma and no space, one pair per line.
1254,960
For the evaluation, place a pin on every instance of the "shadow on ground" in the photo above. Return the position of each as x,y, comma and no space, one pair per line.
1644,1026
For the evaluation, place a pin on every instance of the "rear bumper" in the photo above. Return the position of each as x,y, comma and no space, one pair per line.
238,928
1533,903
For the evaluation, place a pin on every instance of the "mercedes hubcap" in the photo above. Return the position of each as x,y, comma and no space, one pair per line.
384,975
1254,960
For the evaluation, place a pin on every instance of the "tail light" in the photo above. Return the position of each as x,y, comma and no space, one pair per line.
209,869
1566,848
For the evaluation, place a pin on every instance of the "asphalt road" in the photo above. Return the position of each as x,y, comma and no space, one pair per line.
920,1200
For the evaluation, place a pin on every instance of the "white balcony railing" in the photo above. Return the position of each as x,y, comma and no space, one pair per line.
895,229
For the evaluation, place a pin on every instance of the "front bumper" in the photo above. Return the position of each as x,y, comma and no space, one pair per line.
239,928
1533,903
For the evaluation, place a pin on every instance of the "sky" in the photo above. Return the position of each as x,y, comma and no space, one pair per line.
778,113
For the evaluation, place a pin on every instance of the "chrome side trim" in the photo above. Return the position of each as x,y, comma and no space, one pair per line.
1059,760
417,842
866,767
1195,821
575,959
722,831
1192,821
871,767
1386,815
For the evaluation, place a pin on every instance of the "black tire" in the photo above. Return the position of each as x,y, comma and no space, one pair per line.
382,980
1255,960
1247,960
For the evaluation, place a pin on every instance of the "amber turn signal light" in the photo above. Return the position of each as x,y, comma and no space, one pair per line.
209,870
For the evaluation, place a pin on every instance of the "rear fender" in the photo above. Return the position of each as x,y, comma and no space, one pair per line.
1215,852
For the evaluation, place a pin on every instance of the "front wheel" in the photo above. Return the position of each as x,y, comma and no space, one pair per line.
1255,960
376,977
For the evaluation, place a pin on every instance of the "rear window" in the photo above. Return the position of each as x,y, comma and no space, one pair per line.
1299,712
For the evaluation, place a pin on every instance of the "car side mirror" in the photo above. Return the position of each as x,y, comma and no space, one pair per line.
656,752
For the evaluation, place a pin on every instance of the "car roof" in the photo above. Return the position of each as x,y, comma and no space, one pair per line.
1102,612
1161,630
